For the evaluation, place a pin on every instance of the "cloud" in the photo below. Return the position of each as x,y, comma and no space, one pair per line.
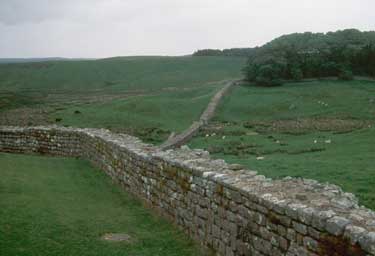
14,12
99,28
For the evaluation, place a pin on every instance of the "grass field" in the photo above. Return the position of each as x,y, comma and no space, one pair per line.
58,206
151,117
146,96
322,130
118,74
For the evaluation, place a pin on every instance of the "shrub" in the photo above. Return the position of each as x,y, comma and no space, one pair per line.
268,75
346,75
297,74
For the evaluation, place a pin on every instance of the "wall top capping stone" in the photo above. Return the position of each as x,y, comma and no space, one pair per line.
324,206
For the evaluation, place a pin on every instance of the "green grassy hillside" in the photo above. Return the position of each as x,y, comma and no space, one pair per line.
329,99
57,206
146,96
323,130
151,117
119,74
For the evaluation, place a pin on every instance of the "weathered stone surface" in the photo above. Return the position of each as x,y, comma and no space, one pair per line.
354,233
305,215
336,225
313,233
311,244
319,219
296,250
368,242
293,209
233,211
300,228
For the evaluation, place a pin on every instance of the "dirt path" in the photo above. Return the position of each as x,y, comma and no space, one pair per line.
182,138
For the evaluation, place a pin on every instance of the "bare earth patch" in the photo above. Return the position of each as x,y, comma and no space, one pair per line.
24,117
117,237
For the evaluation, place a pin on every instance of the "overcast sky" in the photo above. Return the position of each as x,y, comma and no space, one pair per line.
103,28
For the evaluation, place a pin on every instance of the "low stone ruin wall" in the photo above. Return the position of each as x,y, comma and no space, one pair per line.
231,210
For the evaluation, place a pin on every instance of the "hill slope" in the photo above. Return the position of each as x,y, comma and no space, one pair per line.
122,73
145,96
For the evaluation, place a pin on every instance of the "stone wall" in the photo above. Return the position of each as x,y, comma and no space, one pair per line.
224,207
182,138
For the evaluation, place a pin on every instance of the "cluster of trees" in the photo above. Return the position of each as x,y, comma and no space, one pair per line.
313,55
236,52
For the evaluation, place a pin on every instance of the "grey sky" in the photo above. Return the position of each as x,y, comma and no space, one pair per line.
102,28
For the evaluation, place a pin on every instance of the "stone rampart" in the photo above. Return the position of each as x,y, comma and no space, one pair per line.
222,206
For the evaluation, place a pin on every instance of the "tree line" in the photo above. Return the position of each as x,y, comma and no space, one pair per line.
234,52
298,56
343,54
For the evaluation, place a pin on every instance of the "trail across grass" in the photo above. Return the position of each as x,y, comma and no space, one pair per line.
321,130
58,206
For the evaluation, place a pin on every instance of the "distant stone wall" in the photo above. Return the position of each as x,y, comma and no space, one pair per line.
182,138
231,210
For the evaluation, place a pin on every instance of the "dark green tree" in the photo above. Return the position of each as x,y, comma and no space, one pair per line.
341,54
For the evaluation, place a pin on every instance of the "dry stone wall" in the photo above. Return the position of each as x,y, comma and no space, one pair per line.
182,138
224,207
